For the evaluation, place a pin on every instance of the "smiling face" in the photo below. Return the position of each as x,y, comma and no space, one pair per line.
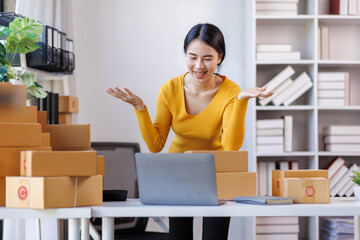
201,61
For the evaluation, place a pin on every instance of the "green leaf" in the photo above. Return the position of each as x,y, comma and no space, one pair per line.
4,31
3,71
32,87
28,78
27,25
2,53
12,73
5,79
356,173
36,91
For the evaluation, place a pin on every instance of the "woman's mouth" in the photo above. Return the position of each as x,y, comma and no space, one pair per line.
199,74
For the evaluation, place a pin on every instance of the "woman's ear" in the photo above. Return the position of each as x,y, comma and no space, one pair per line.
220,58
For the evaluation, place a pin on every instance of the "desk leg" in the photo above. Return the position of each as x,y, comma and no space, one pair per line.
74,225
107,228
356,227
85,223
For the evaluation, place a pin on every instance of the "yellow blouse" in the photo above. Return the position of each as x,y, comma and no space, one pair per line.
220,126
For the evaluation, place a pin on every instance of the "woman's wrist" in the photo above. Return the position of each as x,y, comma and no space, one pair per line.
139,107
242,96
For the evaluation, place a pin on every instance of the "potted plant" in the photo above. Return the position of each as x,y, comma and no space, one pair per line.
20,38
356,179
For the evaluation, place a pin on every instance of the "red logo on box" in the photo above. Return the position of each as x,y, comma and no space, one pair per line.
22,192
278,184
309,191
73,104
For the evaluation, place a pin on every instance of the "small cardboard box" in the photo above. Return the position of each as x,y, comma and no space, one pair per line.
53,192
231,185
45,139
228,161
101,165
10,159
69,136
27,114
2,191
58,163
12,95
307,190
65,118
20,135
68,104
41,118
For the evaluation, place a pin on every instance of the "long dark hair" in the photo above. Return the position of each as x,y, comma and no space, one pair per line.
210,34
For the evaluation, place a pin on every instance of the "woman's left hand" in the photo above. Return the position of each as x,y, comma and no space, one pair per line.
255,92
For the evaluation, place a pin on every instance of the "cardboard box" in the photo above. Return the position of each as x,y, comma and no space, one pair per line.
45,139
20,135
2,191
68,104
228,161
305,186
101,165
65,118
42,119
27,114
12,95
53,192
58,163
231,185
69,136
307,190
10,159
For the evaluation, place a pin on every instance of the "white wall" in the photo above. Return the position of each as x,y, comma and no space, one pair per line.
139,44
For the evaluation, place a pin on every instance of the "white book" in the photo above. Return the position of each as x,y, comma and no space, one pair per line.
298,94
262,185
342,130
285,228
276,220
270,149
338,175
352,7
331,94
344,6
342,139
342,182
282,236
277,91
269,123
335,165
270,132
350,191
270,167
280,78
332,76
269,56
270,140
271,1
275,6
347,191
358,7
342,147
287,12
273,48
288,133
333,102
325,49
300,81
284,165
325,85
319,43
294,165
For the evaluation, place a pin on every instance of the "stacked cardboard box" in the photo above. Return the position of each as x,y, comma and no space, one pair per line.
68,105
304,186
19,130
232,176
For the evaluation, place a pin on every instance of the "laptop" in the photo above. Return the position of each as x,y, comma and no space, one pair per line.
176,179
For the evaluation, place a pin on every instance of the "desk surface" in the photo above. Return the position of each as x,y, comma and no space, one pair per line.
60,213
133,207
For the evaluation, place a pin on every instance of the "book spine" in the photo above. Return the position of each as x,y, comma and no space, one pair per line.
269,123
299,93
269,56
276,6
277,92
288,133
324,43
280,78
273,48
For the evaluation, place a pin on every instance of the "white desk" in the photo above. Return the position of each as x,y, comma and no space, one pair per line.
133,208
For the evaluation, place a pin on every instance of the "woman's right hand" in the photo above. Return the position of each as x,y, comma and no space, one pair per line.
126,96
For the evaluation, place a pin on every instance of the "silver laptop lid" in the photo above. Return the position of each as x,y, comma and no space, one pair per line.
176,178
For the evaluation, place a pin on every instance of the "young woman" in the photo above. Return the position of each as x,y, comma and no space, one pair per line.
206,111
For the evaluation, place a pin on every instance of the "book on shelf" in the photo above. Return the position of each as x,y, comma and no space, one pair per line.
280,236
280,78
270,148
262,178
342,139
333,76
345,179
269,56
358,7
331,94
319,43
335,165
269,140
279,1
350,190
270,132
269,123
277,220
352,7
340,228
270,166
264,200
283,165
329,85
294,165
288,133
276,6
277,91
339,7
287,12
285,228
342,130
298,93
342,147
273,47
294,89
333,102
345,191
325,46
338,175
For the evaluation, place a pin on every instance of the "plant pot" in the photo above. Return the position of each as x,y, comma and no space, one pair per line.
357,192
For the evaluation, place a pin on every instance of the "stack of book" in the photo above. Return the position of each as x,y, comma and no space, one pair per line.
333,89
338,138
270,52
339,174
345,7
276,7
286,90
274,135
324,43
337,228
277,228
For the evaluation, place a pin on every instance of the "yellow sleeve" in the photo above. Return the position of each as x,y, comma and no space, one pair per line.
155,134
234,124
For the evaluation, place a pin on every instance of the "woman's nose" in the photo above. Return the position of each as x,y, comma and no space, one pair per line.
199,64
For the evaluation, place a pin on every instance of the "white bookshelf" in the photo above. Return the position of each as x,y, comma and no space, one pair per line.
309,119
